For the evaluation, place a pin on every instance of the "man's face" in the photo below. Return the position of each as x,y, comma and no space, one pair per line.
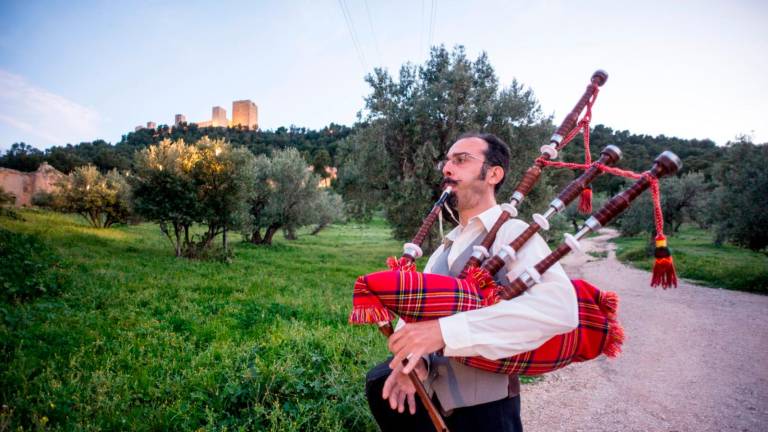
463,172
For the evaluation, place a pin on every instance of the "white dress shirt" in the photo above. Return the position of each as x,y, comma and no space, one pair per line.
514,326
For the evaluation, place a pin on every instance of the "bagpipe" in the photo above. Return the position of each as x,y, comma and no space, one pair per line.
414,296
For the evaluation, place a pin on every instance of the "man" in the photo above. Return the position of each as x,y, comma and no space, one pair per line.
472,399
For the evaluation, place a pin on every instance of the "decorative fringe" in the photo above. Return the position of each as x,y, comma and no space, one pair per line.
608,302
585,202
664,274
614,340
370,315
400,264
485,284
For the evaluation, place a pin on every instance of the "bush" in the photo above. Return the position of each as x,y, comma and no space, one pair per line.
103,200
30,268
6,198
43,199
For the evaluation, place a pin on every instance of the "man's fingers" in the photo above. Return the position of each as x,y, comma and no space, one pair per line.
388,384
415,358
393,400
411,403
401,402
397,361
395,342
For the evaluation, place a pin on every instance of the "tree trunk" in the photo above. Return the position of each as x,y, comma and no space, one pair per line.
289,233
256,236
177,234
318,228
224,240
271,230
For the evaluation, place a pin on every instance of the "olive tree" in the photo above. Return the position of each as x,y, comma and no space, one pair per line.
103,200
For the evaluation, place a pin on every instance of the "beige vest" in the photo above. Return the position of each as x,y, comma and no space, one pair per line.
455,384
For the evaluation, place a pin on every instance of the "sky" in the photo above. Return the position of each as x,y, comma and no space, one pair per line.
73,71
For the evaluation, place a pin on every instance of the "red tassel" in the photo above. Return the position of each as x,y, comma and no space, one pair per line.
615,339
609,304
585,202
664,274
400,264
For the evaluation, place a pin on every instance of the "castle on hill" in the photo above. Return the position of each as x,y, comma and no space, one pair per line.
245,113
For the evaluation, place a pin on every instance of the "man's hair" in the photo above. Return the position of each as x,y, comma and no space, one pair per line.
497,154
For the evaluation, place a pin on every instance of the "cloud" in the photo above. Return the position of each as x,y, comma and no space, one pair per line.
35,114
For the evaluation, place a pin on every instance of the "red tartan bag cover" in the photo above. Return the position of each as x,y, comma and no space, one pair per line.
416,296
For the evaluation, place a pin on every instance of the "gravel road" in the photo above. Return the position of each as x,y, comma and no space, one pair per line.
694,359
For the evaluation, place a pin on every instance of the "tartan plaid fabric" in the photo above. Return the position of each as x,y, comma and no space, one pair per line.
418,296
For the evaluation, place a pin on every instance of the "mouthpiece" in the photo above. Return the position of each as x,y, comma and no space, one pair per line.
599,77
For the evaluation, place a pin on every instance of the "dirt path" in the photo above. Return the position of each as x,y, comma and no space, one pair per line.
695,359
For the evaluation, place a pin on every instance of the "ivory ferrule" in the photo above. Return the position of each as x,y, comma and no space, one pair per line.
480,252
550,150
507,253
572,243
529,277
509,208
541,221
413,250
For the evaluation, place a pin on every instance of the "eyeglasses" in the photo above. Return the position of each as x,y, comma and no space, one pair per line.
459,159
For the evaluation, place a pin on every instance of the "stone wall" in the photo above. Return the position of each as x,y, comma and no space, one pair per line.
26,184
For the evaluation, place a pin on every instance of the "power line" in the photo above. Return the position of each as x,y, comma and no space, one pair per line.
353,34
373,32
432,16
421,30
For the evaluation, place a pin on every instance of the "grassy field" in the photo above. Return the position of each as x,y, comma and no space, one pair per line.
144,341
697,258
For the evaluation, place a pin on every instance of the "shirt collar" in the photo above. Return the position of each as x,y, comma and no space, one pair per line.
488,218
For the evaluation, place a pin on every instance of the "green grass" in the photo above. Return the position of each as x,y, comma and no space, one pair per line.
698,258
145,341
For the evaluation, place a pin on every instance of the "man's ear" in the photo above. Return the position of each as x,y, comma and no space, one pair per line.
495,175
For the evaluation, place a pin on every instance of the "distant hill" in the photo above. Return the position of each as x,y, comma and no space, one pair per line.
316,146
319,147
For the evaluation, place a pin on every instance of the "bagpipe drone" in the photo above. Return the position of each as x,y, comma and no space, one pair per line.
414,296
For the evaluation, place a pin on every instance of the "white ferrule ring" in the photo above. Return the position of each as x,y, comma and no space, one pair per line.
534,274
572,243
507,253
413,250
550,150
541,221
509,208
480,252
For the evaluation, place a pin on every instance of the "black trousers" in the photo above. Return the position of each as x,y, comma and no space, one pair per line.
499,416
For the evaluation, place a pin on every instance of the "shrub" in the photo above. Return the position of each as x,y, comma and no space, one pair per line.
6,198
103,200
43,199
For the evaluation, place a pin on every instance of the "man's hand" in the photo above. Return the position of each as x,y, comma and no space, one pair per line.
414,340
398,387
